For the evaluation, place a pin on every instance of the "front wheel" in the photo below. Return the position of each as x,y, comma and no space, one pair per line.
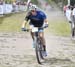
38,50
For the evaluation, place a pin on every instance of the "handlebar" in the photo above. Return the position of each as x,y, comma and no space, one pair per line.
24,29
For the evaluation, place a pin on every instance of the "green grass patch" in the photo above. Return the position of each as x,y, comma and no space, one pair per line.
11,22
1,20
59,27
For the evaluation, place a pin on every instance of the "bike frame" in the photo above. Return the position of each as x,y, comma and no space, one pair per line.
38,47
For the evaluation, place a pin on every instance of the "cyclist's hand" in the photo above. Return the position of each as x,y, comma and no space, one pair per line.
45,25
23,29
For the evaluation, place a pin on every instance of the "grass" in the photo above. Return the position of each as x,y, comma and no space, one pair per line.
59,27
11,22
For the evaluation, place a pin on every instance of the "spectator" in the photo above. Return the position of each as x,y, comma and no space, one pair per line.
69,14
73,15
14,6
64,9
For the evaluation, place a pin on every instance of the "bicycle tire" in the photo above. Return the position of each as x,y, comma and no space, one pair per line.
37,52
41,49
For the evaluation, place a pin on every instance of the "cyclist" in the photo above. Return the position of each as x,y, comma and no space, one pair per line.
37,19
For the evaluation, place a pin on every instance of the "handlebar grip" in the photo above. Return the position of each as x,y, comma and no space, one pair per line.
45,26
24,29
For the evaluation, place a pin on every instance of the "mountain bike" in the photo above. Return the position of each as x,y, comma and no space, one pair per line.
38,45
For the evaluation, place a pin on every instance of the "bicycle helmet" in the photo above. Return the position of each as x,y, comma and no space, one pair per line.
33,7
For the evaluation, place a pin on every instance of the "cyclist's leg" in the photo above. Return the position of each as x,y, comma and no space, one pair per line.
33,43
41,34
32,35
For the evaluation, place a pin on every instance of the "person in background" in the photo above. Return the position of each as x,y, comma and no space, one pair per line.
69,14
64,9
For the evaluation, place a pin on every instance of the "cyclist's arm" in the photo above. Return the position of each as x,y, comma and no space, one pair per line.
44,16
45,21
26,20
24,24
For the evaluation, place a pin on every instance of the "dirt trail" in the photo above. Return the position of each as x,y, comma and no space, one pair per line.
16,49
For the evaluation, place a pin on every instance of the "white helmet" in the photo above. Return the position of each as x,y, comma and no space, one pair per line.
33,7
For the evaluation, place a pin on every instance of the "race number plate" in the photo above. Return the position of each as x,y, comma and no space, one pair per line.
34,29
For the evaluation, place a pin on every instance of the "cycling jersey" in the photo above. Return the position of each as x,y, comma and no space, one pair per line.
36,20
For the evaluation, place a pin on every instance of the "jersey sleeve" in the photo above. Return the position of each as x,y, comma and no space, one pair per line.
27,16
43,15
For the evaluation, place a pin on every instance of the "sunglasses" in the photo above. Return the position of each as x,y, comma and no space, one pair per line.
32,10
